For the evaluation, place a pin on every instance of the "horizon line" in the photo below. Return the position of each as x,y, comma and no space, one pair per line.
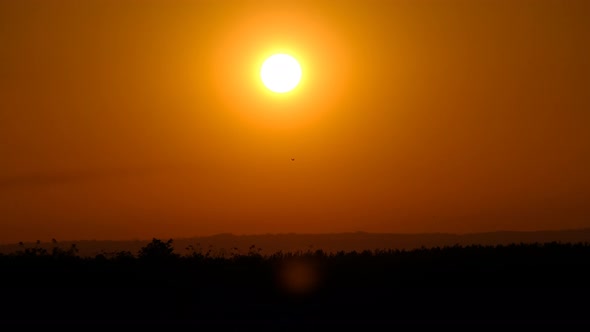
582,229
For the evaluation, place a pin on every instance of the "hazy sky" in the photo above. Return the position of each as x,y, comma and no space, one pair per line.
134,119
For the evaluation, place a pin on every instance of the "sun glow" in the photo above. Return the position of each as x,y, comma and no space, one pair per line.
280,73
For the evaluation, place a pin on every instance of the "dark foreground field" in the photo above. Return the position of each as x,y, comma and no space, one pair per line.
516,284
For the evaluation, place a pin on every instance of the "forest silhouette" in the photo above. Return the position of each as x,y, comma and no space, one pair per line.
540,282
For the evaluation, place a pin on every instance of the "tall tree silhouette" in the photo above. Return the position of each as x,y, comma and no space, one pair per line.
157,250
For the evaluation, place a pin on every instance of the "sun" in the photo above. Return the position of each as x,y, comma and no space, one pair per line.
280,73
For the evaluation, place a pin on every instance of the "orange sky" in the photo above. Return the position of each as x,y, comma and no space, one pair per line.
134,119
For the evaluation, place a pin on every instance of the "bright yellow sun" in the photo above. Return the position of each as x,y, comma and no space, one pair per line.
280,73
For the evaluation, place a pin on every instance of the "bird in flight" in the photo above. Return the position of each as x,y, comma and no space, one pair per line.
292,159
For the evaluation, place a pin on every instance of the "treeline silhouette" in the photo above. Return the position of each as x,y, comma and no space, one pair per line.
542,283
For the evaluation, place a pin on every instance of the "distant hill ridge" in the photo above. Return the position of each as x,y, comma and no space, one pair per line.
227,243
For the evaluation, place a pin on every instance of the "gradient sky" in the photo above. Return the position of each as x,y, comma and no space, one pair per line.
138,119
